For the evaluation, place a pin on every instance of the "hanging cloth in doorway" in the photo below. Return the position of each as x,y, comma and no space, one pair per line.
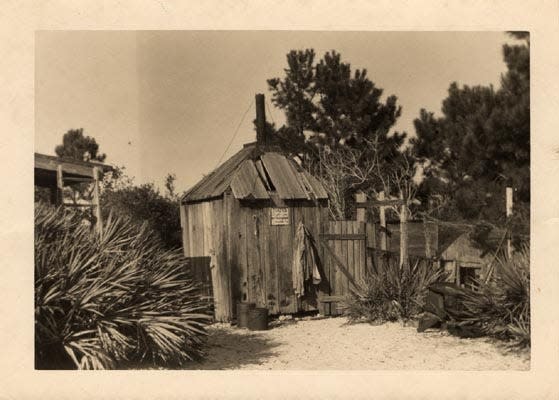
304,261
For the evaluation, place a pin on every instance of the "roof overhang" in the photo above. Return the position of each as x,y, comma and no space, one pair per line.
46,168
258,173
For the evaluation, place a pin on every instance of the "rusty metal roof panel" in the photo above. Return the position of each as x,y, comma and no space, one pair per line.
218,181
257,173
247,183
283,176
314,186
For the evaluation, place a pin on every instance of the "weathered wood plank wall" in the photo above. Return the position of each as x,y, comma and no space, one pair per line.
204,235
268,257
251,259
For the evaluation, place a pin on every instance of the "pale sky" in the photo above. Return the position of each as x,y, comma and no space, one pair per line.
170,101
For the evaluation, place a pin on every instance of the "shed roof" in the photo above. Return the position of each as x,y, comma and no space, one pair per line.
447,234
46,167
253,174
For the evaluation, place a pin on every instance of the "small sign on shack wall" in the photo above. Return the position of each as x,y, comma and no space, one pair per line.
280,216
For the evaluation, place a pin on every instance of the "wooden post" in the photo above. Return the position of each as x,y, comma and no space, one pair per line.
382,215
96,200
428,239
364,216
361,211
58,195
509,215
403,233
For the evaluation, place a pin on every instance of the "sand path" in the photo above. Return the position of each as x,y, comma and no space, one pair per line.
330,343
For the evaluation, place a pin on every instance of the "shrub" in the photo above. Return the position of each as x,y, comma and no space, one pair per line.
391,292
106,301
144,203
501,307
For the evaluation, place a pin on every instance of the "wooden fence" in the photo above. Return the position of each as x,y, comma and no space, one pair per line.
378,258
344,256
348,256
347,253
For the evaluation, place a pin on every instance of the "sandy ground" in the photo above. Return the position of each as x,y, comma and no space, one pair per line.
331,343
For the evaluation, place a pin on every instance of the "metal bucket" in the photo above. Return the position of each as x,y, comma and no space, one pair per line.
242,314
258,319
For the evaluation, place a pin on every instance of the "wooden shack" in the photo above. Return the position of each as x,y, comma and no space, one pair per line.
244,216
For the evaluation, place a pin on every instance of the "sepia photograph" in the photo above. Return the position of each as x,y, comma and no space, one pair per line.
282,200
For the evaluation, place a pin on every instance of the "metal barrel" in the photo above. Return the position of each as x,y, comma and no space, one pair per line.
258,319
242,314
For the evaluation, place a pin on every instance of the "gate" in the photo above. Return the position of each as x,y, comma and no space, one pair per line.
345,262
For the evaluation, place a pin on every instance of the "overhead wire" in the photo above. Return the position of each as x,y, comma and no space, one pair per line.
270,111
235,133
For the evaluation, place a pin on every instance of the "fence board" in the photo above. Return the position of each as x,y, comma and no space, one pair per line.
358,254
339,252
341,266
349,244
344,255
363,252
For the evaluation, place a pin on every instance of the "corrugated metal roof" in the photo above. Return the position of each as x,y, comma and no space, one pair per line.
216,182
283,176
316,187
246,183
256,174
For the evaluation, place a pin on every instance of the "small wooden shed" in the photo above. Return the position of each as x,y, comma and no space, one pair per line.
451,245
462,259
244,216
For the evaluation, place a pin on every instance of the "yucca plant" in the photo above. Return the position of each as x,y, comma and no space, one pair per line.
501,307
109,300
391,292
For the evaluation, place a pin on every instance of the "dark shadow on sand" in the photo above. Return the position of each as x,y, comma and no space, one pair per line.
232,348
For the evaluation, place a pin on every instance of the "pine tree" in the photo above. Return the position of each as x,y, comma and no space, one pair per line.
326,105
79,147
481,144
334,115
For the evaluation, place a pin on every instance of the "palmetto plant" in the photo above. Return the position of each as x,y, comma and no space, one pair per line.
391,292
501,307
106,301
